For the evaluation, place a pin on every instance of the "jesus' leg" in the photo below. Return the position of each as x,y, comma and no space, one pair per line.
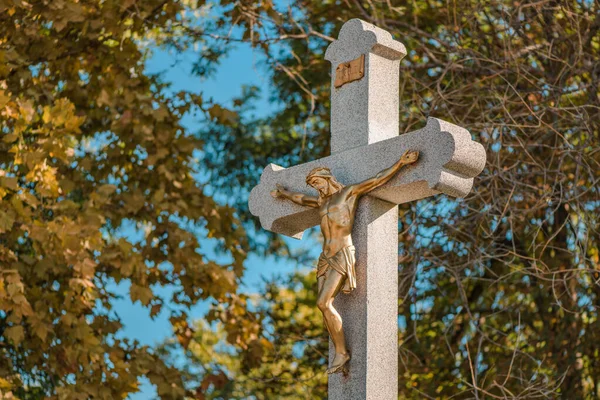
329,288
320,283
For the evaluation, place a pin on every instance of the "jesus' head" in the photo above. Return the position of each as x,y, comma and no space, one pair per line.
323,180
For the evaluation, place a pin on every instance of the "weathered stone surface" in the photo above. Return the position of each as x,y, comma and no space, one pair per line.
370,104
359,37
448,161
370,312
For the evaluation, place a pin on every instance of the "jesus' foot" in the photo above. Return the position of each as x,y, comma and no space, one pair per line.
339,363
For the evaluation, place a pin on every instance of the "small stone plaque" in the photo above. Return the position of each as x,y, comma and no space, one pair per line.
350,71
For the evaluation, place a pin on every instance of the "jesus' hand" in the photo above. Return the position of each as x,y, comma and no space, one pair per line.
409,157
278,192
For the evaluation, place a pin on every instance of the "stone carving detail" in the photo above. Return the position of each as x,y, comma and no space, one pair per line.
350,71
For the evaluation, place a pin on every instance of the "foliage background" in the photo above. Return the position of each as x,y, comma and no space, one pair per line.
499,291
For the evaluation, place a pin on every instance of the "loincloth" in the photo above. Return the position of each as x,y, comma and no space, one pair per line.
343,262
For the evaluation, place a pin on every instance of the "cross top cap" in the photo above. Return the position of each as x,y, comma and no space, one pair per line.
359,37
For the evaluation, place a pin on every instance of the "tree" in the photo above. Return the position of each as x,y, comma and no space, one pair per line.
500,291
90,142
287,362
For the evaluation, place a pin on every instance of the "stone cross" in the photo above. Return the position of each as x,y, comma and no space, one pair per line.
364,140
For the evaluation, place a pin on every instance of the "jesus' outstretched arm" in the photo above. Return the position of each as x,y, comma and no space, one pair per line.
409,157
298,198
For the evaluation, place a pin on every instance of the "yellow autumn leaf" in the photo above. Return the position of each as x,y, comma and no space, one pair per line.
40,328
4,384
4,99
26,110
47,115
6,221
141,293
15,334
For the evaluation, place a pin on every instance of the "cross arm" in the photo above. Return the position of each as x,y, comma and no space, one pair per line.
384,176
448,161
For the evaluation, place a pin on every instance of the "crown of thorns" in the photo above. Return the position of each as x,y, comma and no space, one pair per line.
319,172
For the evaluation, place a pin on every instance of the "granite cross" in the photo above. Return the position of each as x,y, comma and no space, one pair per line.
364,140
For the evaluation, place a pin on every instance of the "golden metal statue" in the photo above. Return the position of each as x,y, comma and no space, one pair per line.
337,206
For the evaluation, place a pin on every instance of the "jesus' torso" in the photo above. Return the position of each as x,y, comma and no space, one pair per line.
337,213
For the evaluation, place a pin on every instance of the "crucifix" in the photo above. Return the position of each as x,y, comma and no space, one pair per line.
358,188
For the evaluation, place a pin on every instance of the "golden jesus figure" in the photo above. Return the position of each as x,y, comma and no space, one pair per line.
337,206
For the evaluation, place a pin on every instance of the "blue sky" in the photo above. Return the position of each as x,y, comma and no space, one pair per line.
237,69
